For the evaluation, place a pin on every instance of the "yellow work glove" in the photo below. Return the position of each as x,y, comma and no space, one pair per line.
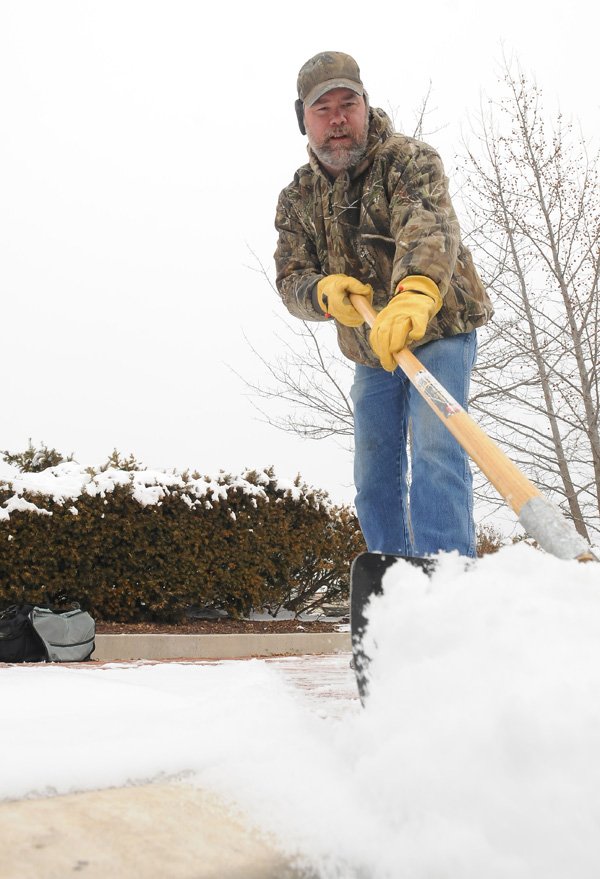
404,319
332,293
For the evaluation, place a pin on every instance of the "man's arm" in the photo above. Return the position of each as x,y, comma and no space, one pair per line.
297,264
423,221
427,237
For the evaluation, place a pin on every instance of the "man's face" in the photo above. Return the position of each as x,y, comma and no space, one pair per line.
337,126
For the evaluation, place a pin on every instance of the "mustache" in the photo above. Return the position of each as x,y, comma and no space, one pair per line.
342,131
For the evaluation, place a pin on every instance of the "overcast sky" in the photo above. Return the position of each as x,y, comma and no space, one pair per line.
142,149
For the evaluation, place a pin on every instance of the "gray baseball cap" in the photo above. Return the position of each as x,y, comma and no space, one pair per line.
326,71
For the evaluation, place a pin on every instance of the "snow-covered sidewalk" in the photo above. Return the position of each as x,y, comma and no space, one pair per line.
89,727
142,735
478,753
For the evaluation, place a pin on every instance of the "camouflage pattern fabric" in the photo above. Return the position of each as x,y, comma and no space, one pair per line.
389,217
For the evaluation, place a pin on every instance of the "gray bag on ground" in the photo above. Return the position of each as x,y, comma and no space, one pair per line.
68,636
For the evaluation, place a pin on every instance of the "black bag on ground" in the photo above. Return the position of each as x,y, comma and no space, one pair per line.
37,634
19,642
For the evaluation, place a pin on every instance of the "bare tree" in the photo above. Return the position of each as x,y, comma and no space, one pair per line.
309,380
535,195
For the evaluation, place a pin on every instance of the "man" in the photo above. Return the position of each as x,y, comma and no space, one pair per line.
371,214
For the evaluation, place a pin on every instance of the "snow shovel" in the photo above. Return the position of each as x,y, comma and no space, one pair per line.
540,517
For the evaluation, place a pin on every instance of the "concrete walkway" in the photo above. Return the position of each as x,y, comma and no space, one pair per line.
162,830
110,648
158,831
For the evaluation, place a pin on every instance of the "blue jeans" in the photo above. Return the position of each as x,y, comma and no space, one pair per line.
436,512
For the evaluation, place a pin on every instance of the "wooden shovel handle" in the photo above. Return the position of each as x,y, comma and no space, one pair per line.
507,479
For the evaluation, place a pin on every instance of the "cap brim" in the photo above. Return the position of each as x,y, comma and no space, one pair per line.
327,86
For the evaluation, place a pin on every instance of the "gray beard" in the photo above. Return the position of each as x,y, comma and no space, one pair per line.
342,158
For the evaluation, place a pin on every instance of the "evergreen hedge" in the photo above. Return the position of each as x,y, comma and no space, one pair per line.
132,545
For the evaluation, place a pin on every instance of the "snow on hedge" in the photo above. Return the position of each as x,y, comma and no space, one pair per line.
68,481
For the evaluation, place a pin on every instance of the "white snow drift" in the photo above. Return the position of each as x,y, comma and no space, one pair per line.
477,754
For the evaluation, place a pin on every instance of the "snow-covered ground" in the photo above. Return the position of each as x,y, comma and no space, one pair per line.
476,757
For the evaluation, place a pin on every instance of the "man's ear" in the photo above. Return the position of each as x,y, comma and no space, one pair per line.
300,115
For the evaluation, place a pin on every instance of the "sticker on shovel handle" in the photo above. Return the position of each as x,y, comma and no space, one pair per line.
435,394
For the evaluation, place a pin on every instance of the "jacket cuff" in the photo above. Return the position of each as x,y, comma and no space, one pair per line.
315,299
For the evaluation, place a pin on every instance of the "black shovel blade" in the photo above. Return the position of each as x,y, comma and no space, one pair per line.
366,579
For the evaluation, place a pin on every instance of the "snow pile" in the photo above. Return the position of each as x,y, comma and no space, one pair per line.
485,700
477,755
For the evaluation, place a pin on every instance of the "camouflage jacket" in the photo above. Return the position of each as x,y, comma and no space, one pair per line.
387,218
